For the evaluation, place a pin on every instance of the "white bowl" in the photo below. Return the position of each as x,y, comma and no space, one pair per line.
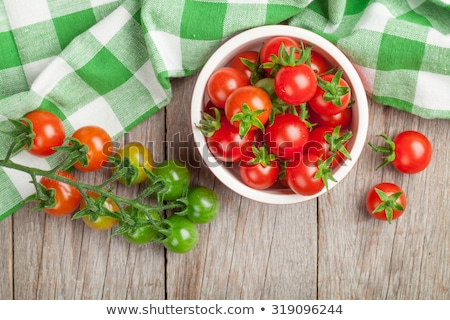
252,40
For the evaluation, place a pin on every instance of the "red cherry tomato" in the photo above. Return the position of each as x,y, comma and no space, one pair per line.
272,47
409,152
258,176
260,170
301,175
248,108
98,141
222,83
334,147
49,132
342,119
226,144
251,56
413,152
318,63
386,201
332,101
67,197
287,136
295,84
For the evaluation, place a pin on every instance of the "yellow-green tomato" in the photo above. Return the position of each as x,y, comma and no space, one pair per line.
102,222
137,156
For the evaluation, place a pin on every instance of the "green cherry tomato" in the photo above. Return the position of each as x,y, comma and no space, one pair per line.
141,234
175,176
182,234
203,205
137,156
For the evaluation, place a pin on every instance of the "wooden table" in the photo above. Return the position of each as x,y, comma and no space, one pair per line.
329,248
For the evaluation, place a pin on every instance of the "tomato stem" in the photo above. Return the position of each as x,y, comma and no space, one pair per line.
45,197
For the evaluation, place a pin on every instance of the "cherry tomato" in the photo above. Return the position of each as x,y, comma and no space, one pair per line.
176,179
49,132
295,84
248,108
335,146
332,95
101,222
259,176
287,136
226,144
136,156
222,83
410,151
98,141
145,232
413,152
203,205
307,175
342,119
182,234
67,197
386,201
272,47
318,63
252,57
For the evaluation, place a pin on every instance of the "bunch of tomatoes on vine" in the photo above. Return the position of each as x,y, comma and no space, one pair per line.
283,114
90,148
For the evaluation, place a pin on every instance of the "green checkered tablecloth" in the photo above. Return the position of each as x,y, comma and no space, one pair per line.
109,62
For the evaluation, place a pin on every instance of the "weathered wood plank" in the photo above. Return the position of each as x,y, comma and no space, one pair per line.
6,259
251,249
363,258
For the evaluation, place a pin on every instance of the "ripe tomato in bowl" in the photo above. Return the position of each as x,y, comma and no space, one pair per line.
285,100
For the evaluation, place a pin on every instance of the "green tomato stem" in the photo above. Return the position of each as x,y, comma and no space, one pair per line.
100,189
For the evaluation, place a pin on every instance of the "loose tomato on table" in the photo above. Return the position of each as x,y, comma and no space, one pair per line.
222,83
332,95
248,108
409,152
98,142
67,198
137,158
286,136
386,201
48,131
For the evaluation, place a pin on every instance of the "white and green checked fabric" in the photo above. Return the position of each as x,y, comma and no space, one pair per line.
109,63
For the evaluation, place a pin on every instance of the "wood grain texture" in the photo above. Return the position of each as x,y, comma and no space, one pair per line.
363,258
6,259
329,248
